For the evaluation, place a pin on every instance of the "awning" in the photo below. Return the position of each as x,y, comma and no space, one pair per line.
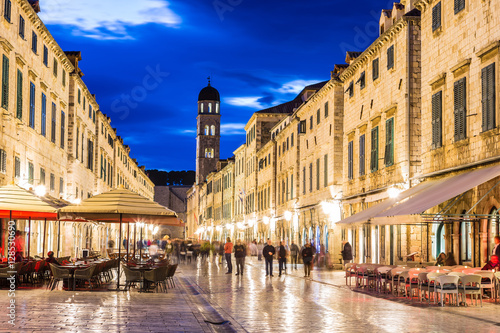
422,197
19,203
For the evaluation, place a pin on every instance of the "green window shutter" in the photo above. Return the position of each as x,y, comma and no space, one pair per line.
53,127
362,155
488,97
389,142
317,174
19,113
459,93
437,111
63,128
374,150
5,82
390,57
350,164
459,6
326,110
326,170
436,16
102,161
43,122
375,69
32,105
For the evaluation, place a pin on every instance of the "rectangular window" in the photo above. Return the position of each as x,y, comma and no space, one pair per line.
362,155
375,69
350,89
291,140
64,78
5,82
55,67
22,26
90,156
19,113
350,160
318,116
437,114
42,176
361,81
374,150
90,112
325,175
52,182
77,141
79,96
390,57
317,174
310,177
326,110
304,180
389,142
61,185
459,6
436,16
34,42
291,187
32,105
3,160
63,128
43,122
459,97
17,167
45,56
31,173
488,99
7,10
311,122
302,126
53,127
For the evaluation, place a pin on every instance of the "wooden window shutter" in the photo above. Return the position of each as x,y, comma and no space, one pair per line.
362,155
5,82
19,95
389,142
350,166
459,6
437,111
436,16
488,97
459,109
374,150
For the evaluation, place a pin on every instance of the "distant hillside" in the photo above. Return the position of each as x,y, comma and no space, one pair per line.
164,178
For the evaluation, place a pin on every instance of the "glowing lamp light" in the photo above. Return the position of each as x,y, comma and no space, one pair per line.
288,215
40,190
250,223
77,201
266,220
240,225
393,192
151,227
228,226
155,230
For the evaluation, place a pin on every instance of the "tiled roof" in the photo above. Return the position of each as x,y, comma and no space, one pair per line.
414,12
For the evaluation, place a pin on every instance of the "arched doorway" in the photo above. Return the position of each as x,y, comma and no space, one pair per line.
440,239
326,234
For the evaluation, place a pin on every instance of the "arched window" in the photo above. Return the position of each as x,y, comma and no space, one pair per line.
209,152
207,130
493,229
465,241
212,130
216,107
209,107
201,108
440,240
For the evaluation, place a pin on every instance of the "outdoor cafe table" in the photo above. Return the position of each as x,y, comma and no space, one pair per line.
72,268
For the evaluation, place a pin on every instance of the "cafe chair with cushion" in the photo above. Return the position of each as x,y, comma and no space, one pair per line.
170,274
431,280
58,274
84,275
488,282
155,277
447,284
131,277
471,285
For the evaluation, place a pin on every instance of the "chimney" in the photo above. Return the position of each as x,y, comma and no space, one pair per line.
35,4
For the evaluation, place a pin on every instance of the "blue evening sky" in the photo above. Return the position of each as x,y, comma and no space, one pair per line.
258,53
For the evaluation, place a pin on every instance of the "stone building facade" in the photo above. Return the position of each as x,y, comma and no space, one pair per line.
54,133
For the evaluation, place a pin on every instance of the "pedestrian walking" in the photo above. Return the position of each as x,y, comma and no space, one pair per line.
239,253
260,247
307,258
228,249
294,254
346,252
268,253
282,257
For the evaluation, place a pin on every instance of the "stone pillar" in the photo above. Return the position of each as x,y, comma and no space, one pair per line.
483,248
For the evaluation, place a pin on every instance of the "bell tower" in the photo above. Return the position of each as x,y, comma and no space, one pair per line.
207,132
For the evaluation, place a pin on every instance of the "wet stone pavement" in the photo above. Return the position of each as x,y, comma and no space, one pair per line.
252,303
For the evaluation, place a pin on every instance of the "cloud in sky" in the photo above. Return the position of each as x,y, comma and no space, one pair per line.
250,102
105,19
232,129
294,87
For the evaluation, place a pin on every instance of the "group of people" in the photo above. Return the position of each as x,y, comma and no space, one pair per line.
268,251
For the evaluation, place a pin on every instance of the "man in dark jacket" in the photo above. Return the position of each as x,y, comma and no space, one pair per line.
282,257
268,253
346,252
239,253
294,253
307,258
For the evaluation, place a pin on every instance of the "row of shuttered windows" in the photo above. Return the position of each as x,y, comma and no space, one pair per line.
374,156
488,109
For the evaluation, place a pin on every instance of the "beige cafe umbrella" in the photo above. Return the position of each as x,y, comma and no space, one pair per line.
120,205
18,203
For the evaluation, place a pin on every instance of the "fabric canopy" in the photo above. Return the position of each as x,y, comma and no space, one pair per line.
442,190
24,204
130,206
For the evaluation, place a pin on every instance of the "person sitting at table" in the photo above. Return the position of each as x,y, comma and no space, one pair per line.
440,259
495,256
51,259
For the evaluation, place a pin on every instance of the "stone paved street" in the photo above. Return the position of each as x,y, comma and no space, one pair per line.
250,303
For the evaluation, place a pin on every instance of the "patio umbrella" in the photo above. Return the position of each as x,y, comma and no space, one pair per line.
19,203
120,205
